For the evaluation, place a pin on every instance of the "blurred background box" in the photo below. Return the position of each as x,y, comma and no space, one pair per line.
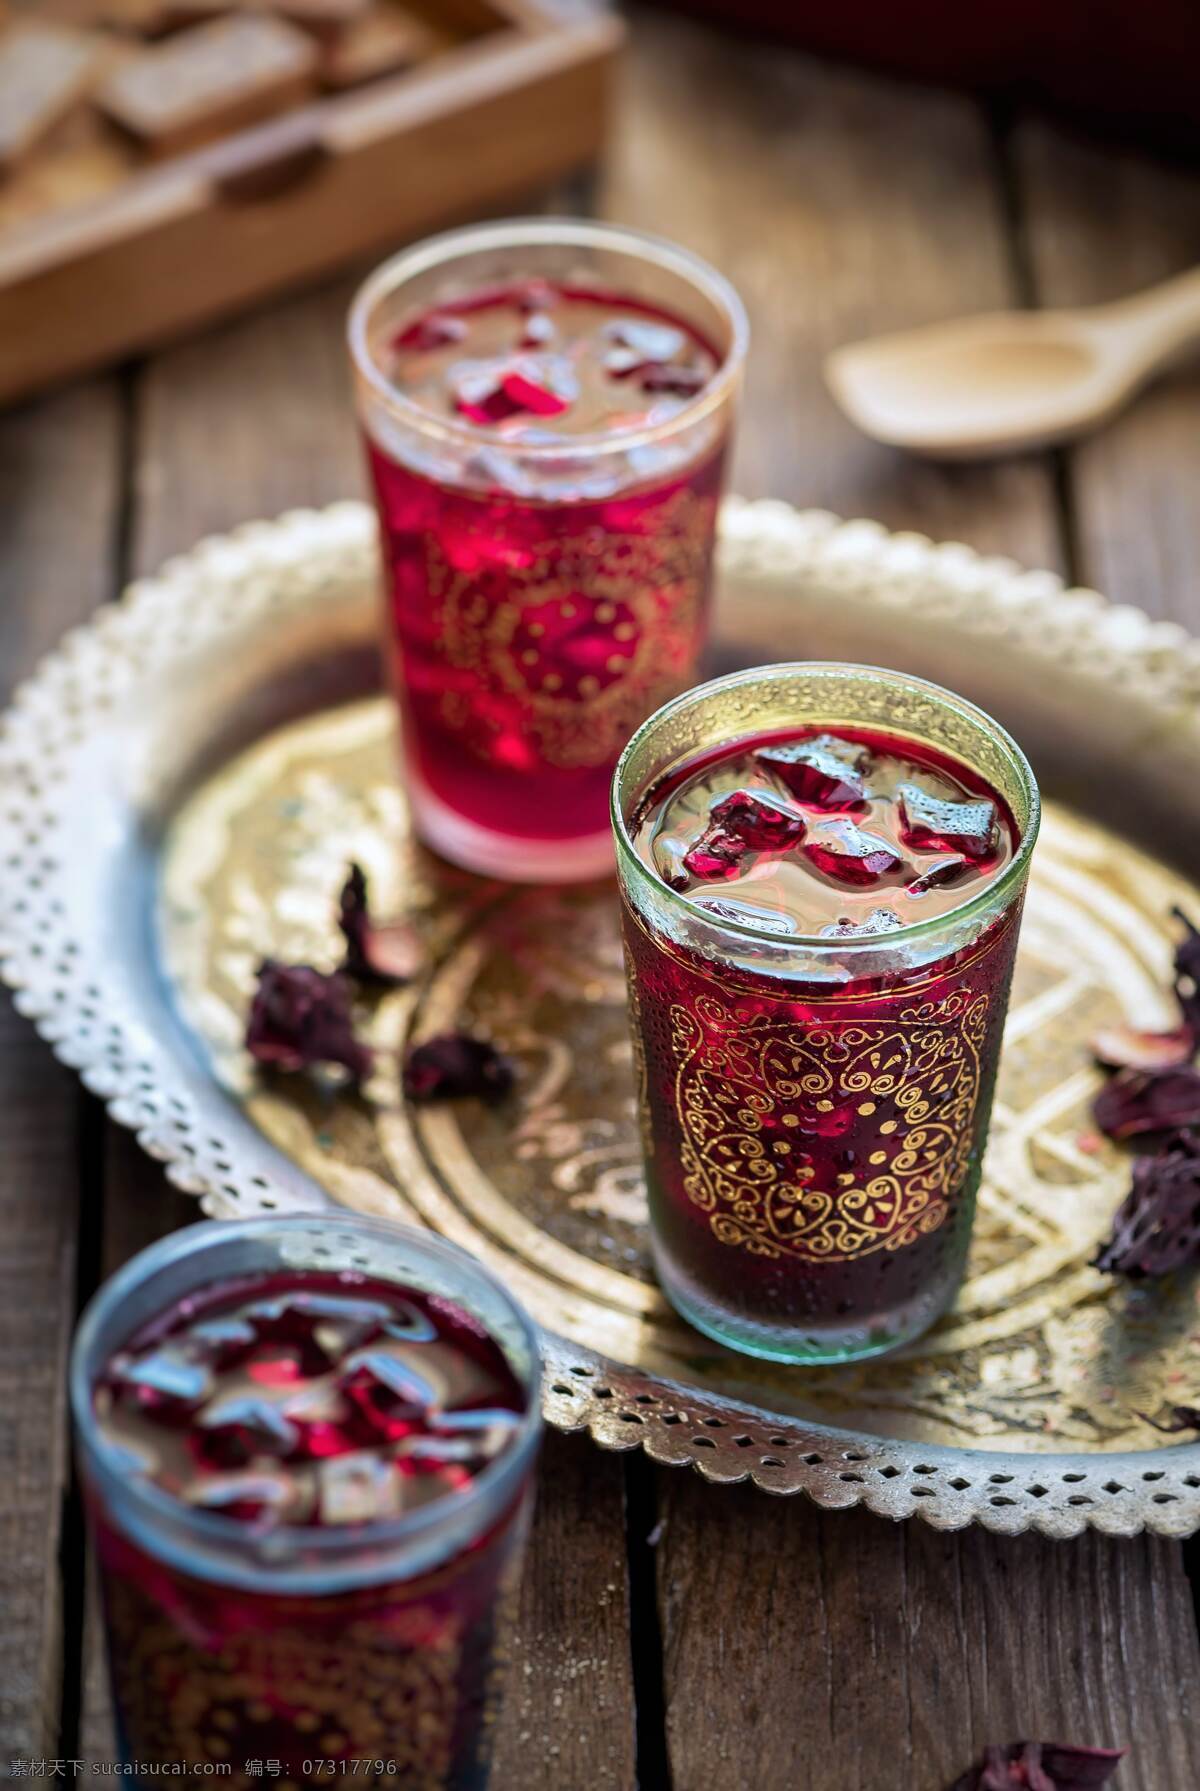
1125,68
400,116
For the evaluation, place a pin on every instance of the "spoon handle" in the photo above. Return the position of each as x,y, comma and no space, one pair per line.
1157,323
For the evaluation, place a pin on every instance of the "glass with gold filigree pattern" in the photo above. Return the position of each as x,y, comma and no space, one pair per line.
547,406
306,1446
822,870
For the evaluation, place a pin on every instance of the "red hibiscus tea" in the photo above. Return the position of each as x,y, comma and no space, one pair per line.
822,871
547,408
306,1447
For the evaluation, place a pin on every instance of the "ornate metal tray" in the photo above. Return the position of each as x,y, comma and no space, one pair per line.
185,779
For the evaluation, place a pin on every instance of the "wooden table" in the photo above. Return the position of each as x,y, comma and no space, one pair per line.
671,1634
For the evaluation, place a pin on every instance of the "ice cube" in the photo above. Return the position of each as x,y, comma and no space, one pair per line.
491,391
640,342
292,1317
749,914
765,826
967,827
357,1489
843,851
326,1422
940,875
248,1497
409,1324
879,920
390,1393
223,1341
681,382
715,854
437,330
536,295
168,1383
538,330
826,772
236,1428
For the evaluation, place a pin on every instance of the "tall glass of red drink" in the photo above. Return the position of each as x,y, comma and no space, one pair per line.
547,407
307,1446
822,870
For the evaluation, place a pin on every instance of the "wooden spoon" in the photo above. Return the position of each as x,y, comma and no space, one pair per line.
1012,379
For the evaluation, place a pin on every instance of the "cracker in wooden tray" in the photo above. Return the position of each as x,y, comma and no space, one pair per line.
196,12
142,18
383,41
210,80
325,18
44,71
322,16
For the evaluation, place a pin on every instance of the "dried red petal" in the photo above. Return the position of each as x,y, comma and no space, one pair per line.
681,382
1137,1101
379,954
528,393
930,821
765,826
1157,1228
1179,1417
453,1065
841,850
940,875
716,854
1041,1766
825,771
301,1017
1124,1047
437,330
524,384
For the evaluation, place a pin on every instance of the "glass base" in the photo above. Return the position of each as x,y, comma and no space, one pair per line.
811,1346
477,848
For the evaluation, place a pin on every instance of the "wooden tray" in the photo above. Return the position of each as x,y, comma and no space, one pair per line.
517,97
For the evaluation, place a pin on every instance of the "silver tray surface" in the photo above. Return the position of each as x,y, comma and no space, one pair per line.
184,780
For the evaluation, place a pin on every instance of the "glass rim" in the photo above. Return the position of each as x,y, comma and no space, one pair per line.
325,1547
986,896
550,232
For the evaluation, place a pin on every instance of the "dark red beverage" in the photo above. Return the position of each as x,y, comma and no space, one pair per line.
335,1467
820,923
547,454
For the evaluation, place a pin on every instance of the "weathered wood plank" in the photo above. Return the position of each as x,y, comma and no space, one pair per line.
1100,225
839,206
244,423
59,459
799,1645
805,1646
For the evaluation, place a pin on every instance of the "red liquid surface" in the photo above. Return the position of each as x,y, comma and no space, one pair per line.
538,617
816,833
324,1400
814,1147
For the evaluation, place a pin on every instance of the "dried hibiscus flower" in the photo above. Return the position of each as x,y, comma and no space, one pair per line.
1041,1766
1148,1101
1179,1417
1125,1048
455,1064
1157,1227
301,1017
380,954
